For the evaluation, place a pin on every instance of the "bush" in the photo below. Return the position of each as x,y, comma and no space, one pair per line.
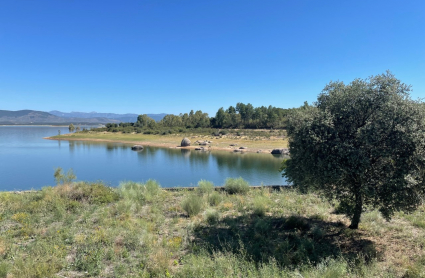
132,191
62,178
152,189
211,216
192,204
296,222
205,187
139,192
260,206
236,186
214,199
95,192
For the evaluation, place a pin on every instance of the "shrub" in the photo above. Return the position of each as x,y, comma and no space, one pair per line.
95,192
211,216
132,191
236,186
296,222
260,206
62,178
214,199
152,187
192,204
139,192
205,187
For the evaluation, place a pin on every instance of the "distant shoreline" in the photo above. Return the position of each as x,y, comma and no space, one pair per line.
62,125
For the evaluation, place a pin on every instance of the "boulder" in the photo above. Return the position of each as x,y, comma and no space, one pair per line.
203,143
232,145
137,148
237,151
185,142
243,148
280,151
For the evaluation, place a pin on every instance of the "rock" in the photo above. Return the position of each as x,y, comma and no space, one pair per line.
243,148
232,145
137,148
185,142
259,151
280,151
237,151
203,143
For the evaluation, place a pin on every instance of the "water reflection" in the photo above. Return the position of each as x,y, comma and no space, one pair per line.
255,166
24,149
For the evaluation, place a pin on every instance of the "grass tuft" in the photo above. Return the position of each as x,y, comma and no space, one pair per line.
205,187
236,186
192,205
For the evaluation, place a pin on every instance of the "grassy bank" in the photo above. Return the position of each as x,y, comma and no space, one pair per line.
138,230
254,140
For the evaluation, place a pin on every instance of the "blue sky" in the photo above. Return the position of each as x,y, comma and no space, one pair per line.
173,56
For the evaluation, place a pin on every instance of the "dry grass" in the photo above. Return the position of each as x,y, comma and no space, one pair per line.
82,229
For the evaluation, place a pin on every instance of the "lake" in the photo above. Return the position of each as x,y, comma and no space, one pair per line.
27,161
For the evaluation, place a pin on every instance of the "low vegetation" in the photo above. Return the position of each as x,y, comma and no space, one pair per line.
80,229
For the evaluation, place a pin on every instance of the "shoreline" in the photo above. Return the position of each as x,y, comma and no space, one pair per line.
266,150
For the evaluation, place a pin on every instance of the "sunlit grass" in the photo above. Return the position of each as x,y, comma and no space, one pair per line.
81,229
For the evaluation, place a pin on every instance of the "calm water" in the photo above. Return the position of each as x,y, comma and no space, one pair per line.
28,161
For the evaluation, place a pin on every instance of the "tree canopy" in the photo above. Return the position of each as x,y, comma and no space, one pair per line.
362,144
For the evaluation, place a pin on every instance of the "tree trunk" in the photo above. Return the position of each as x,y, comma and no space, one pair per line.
357,211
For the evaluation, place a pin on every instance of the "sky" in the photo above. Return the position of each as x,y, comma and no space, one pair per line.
154,56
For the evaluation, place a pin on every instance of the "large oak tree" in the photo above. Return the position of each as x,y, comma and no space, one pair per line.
362,144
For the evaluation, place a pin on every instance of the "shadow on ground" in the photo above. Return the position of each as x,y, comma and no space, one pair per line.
291,241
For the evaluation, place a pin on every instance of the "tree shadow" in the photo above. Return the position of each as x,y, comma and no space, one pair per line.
290,241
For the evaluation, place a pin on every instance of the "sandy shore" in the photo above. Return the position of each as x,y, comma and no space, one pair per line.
175,145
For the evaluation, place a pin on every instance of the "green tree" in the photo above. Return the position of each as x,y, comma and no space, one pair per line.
362,144
145,121
220,117
71,128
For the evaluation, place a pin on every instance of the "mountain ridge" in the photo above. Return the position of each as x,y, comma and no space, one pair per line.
128,117
33,117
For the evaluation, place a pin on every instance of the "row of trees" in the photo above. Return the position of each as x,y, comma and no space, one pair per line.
240,116
246,116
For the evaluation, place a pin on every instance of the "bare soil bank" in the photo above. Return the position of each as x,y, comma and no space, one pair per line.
223,143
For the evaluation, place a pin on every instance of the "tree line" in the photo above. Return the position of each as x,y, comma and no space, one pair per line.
240,116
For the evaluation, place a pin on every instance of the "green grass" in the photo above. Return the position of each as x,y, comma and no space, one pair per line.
82,229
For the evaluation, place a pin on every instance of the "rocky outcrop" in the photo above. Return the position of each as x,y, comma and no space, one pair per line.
137,148
185,142
280,151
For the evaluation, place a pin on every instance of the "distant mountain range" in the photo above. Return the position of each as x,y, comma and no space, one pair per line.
32,117
126,118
